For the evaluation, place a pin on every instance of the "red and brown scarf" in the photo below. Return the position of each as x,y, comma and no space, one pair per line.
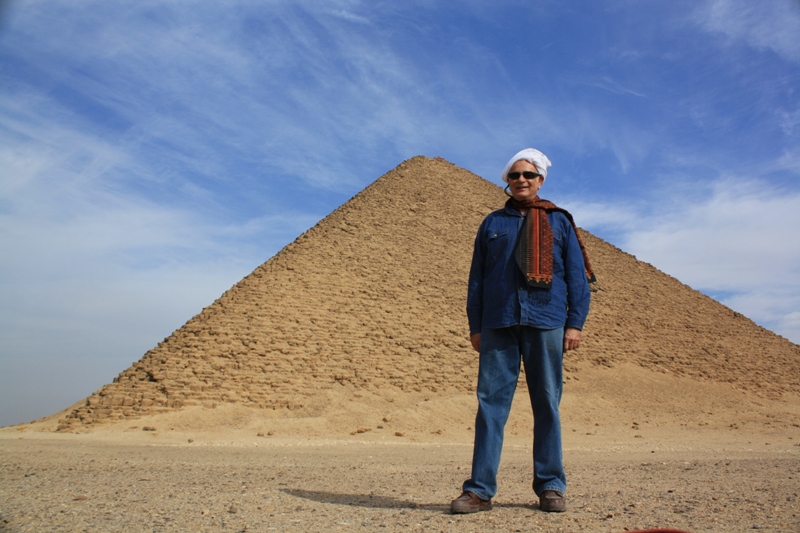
534,252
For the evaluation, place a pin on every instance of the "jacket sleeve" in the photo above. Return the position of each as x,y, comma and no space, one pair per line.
578,295
475,285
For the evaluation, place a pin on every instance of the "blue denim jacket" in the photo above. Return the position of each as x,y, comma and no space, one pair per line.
498,294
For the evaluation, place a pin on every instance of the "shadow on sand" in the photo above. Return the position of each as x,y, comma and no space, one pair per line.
374,501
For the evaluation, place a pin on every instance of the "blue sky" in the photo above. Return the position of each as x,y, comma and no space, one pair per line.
154,153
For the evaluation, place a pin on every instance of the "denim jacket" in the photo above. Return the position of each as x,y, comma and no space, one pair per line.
498,295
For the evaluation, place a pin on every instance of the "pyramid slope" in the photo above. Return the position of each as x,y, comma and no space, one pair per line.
642,315
372,299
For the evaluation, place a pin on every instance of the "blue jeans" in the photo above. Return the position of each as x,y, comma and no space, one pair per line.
541,351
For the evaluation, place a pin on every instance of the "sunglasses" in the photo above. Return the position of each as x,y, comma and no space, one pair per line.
528,175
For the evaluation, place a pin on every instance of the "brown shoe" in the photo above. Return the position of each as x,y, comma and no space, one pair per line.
552,501
469,503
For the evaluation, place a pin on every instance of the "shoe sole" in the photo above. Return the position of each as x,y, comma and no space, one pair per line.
468,509
552,508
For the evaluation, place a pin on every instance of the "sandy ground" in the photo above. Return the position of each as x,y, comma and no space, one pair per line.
154,483
715,459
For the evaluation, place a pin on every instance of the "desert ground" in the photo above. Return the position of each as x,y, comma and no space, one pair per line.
674,453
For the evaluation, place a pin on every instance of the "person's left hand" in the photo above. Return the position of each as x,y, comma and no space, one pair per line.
572,339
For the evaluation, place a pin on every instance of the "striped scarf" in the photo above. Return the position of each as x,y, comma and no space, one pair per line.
534,252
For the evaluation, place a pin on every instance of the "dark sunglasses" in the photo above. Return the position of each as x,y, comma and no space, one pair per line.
528,175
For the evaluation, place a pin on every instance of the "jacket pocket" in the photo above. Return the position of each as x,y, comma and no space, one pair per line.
496,243
496,234
558,236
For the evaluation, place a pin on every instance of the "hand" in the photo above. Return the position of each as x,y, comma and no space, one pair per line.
572,339
475,339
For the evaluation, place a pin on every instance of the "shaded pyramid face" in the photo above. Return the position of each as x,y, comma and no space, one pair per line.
373,298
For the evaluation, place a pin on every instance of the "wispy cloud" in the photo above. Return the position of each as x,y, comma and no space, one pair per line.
734,244
790,121
615,87
763,25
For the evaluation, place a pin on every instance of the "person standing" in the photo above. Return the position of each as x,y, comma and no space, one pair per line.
527,301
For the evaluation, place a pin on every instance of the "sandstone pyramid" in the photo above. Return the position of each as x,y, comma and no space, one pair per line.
372,298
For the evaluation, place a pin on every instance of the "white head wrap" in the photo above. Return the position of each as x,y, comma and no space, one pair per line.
531,155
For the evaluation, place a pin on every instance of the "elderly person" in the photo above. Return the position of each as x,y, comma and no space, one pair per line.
528,299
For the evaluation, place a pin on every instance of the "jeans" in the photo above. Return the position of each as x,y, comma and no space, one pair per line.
541,351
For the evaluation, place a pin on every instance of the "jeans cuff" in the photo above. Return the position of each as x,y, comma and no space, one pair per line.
553,487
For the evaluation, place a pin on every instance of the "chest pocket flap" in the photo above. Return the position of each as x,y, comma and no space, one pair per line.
498,233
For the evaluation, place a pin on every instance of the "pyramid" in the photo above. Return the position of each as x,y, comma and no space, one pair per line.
373,298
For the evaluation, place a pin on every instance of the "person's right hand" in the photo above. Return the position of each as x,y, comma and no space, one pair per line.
475,339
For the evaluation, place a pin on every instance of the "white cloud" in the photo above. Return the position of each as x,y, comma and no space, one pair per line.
96,269
768,25
615,87
600,215
789,121
743,230
738,243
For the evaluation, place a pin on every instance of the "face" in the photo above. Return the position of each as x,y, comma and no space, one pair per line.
523,189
